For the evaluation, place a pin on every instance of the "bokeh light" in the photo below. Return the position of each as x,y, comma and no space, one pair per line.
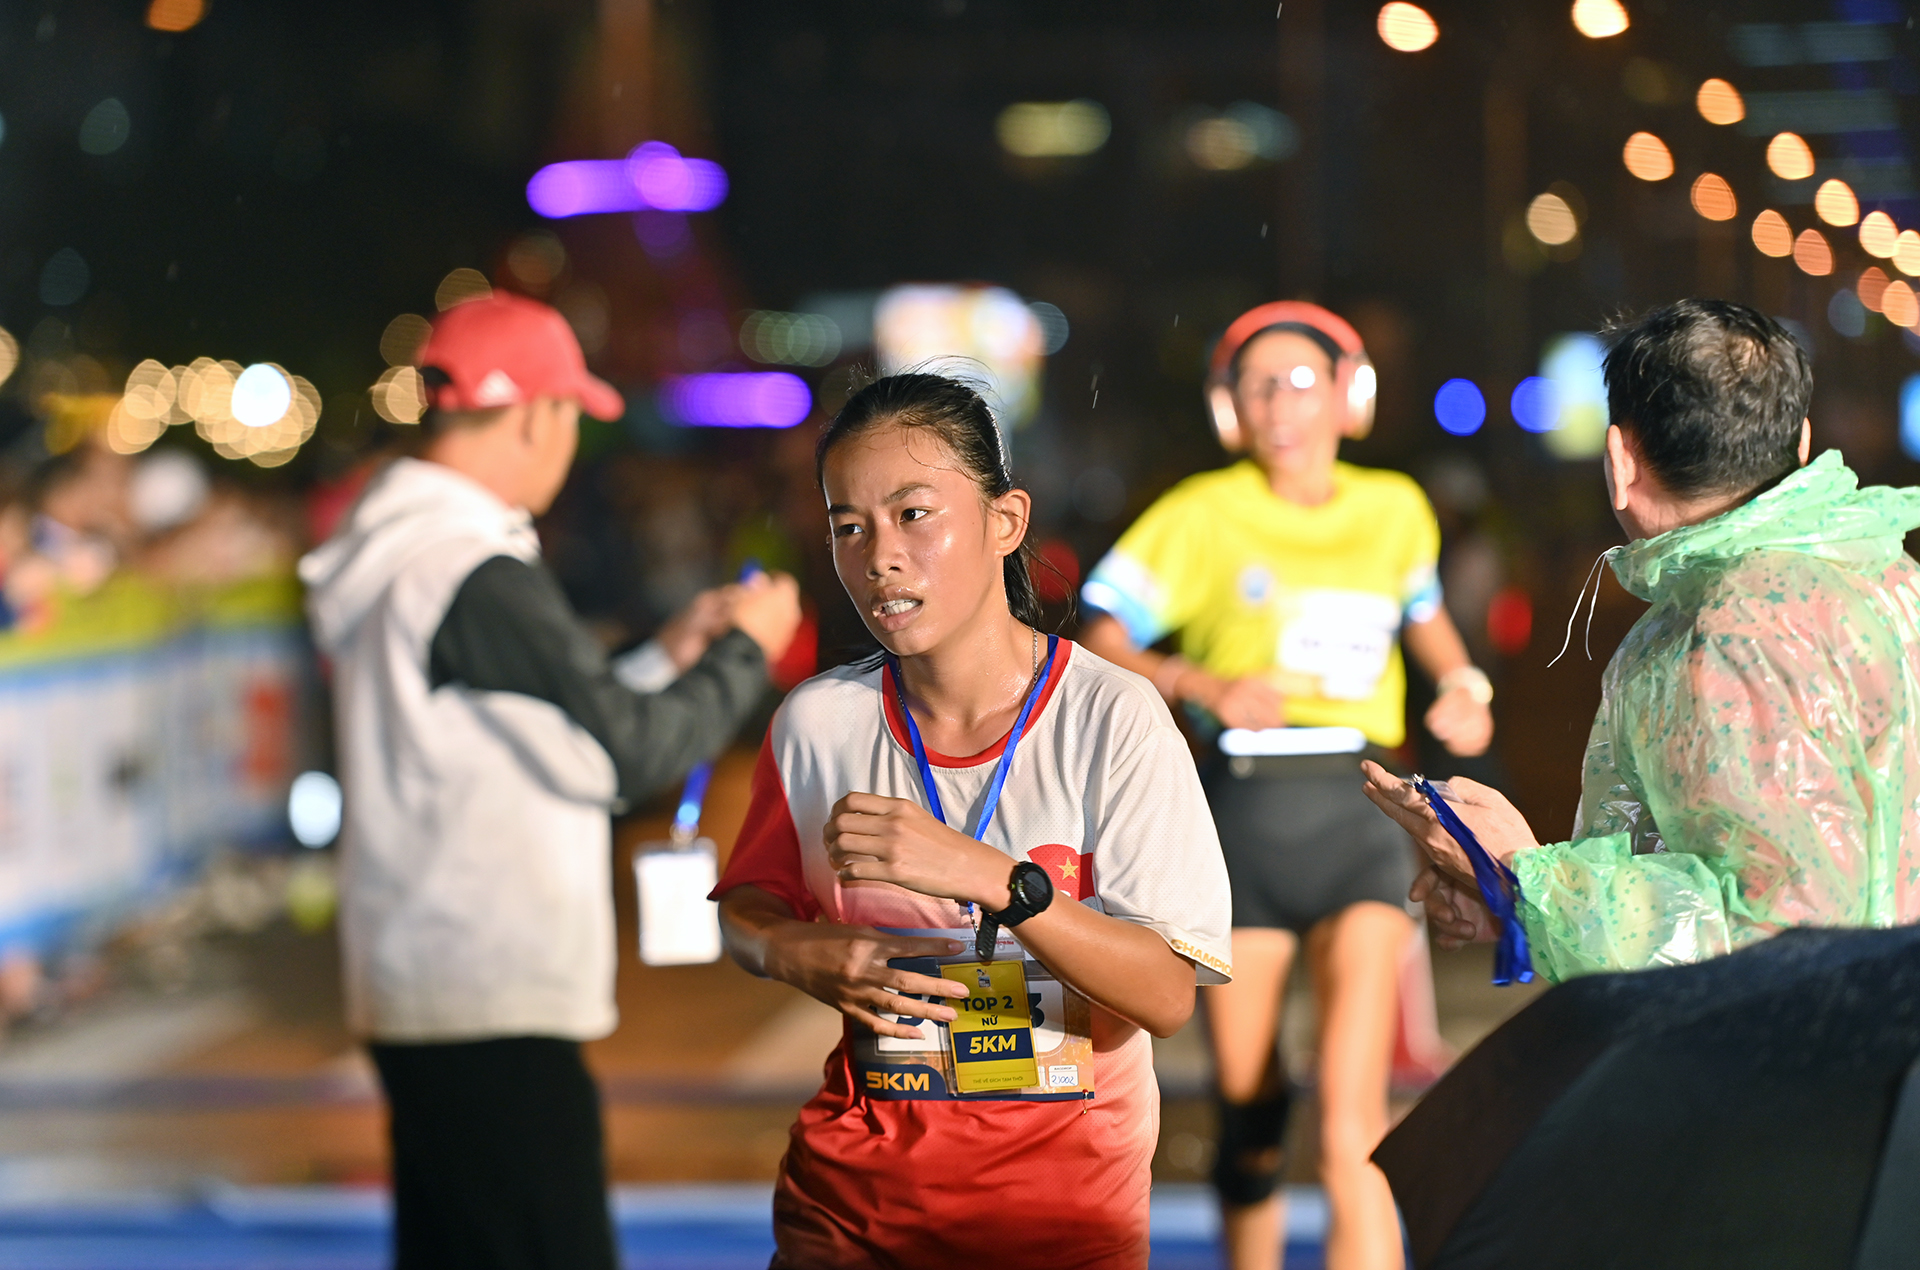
764,399
1406,28
1535,407
150,392
1719,102
1772,235
262,393
1811,253
64,278
1551,220
1846,314
1054,327
790,339
653,176
1238,136
1572,364
536,260
105,128
175,15
1835,204
459,286
314,808
1053,129
9,354
1713,197
405,336
1910,417
1599,19
1906,253
1871,287
399,395
1879,236
988,331
1459,407
1789,158
1647,157
1900,304
670,182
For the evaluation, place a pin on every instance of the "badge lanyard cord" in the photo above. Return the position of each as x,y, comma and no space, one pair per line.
686,817
1499,889
992,801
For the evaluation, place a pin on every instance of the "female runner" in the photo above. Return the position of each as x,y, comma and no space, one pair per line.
976,775
1290,579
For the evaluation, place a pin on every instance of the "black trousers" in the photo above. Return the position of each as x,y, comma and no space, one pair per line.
498,1160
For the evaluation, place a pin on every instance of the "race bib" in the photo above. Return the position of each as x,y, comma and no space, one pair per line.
1339,639
1059,1034
992,1037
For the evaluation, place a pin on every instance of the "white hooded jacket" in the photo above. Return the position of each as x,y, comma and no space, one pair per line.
483,740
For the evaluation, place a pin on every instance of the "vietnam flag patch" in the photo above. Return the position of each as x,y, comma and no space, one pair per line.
1070,871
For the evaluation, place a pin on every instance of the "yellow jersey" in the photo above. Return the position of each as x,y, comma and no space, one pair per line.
1312,598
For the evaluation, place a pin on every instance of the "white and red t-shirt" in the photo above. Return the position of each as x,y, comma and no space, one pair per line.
1103,794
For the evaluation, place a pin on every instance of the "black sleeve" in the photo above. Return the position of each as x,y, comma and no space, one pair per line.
510,629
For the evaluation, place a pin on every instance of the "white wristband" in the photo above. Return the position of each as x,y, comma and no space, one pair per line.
1472,678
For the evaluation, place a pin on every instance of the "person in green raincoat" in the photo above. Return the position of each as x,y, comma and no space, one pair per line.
1755,763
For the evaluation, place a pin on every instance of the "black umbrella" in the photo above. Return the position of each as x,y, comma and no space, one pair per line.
1757,1110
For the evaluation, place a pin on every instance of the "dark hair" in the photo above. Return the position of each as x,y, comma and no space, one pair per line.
1328,345
959,416
1713,392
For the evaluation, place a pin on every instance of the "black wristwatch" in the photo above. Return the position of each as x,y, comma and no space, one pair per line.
1031,891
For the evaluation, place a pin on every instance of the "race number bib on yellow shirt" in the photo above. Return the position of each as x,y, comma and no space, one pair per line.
1340,639
993,1035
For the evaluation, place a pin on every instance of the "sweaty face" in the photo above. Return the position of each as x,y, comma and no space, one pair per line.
913,541
1288,403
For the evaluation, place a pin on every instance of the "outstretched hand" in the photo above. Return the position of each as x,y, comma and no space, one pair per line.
1499,826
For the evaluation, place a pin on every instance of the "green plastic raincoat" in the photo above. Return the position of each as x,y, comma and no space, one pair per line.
1755,763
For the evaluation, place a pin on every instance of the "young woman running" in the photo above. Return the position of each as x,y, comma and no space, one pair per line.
988,849
1291,579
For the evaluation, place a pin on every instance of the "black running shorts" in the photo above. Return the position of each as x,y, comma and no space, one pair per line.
1301,841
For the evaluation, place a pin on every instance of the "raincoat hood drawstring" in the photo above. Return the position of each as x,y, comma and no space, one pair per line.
1820,510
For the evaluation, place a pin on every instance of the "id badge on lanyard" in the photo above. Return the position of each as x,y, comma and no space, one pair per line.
942,1062
1021,1033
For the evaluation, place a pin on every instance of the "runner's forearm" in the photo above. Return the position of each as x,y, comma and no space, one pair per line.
750,920
1173,676
1435,646
1125,967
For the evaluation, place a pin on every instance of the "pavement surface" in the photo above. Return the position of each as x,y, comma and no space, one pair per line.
233,1121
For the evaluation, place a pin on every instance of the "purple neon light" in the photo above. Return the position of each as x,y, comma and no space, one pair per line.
654,176
770,399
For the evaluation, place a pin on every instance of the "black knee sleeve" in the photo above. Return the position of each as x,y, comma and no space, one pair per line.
1247,1164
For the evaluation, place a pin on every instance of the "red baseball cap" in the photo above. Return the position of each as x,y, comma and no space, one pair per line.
505,349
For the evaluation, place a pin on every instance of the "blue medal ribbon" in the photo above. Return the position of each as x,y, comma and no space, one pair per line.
992,800
1499,889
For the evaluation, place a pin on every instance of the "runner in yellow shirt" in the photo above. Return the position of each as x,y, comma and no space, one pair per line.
1290,581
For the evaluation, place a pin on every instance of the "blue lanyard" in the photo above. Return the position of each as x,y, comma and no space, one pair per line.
1499,889
992,801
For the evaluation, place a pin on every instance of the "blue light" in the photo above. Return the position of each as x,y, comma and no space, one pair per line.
1910,416
1459,408
1536,407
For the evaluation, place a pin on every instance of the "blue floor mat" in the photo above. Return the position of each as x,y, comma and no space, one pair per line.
324,1228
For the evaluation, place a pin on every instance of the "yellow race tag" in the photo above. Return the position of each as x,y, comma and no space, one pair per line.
993,1037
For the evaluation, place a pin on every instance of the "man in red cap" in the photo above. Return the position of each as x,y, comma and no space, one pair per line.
484,738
